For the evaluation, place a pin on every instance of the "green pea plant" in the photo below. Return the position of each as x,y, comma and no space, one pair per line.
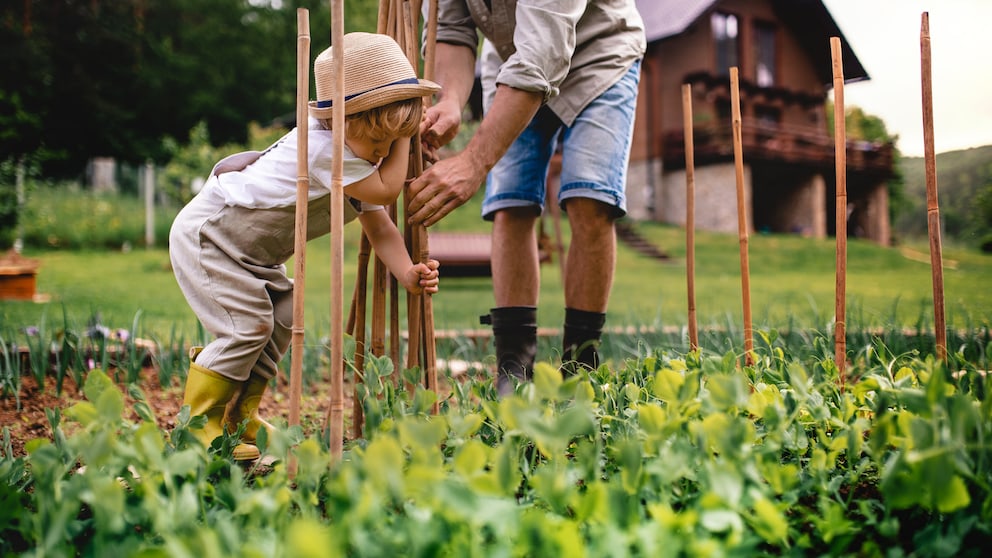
695,453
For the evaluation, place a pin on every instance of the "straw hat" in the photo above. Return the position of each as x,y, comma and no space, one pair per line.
376,73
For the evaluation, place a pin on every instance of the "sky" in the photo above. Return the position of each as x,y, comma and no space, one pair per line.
885,36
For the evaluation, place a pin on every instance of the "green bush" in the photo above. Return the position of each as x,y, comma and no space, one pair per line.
68,217
194,159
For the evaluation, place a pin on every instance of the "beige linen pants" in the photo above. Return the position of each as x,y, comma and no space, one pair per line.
229,263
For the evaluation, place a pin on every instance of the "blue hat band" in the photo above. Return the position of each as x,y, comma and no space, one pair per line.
407,81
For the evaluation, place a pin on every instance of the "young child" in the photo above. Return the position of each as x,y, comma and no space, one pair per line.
229,245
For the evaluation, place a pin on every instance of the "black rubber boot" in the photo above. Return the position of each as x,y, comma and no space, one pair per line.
515,331
580,340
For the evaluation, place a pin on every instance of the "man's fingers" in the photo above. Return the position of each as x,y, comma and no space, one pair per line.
434,214
427,122
428,197
429,151
419,197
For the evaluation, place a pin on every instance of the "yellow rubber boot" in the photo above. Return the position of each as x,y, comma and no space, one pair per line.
208,393
247,408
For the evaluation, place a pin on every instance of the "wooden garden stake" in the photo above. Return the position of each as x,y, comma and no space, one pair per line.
414,305
933,208
383,285
383,17
430,346
359,304
840,169
356,327
690,214
420,311
430,47
742,226
335,413
380,287
395,343
300,241
380,279
396,18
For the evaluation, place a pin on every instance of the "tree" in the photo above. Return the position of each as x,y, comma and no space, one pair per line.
982,219
87,78
860,125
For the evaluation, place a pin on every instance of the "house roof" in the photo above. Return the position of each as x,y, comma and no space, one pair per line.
664,19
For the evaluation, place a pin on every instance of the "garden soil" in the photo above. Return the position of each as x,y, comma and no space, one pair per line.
27,419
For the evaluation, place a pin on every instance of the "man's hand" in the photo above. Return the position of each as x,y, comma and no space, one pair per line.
439,126
446,185
452,182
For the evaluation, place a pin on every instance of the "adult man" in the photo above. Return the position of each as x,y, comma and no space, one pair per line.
568,74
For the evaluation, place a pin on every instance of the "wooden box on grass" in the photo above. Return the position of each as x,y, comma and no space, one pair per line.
17,277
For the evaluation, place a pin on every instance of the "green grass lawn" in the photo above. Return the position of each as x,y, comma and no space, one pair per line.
792,284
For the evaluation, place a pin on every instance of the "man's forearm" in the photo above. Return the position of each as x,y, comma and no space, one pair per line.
454,71
511,111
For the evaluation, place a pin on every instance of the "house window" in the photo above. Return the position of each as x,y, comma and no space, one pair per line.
726,37
764,55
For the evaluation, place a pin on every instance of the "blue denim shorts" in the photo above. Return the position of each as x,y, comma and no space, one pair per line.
595,152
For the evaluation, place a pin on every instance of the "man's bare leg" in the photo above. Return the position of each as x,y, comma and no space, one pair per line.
516,286
589,278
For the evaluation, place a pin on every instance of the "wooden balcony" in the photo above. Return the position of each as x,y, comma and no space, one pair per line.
796,145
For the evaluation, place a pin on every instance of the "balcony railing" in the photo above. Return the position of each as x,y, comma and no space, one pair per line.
776,143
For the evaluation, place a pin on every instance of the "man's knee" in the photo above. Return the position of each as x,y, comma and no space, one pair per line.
590,215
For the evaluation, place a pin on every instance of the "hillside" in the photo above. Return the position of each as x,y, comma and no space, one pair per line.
964,180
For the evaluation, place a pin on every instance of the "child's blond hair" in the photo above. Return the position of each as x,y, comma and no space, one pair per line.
397,119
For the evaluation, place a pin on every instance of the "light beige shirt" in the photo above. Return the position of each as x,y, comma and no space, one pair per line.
267,179
571,51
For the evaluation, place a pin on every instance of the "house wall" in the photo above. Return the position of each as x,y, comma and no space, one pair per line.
805,211
643,178
870,217
879,227
670,61
714,194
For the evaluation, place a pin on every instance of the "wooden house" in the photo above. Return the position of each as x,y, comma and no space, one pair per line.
782,51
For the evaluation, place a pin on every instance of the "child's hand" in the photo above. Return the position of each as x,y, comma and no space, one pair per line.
422,278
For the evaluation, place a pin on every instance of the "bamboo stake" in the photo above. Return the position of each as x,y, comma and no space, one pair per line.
356,327
335,413
395,343
302,198
391,17
742,226
391,284
383,285
415,304
690,214
383,17
359,307
840,161
430,347
430,48
933,208
402,17
380,279
380,286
